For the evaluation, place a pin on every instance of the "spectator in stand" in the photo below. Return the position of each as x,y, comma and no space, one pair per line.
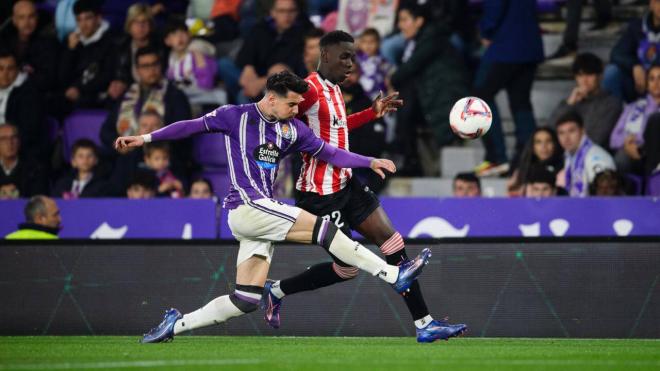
37,54
374,68
191,66
21,104
650,153
157,159
607,183
142,186
151,92
513,48
633,55
139,33
430,79
8,190
540,182
542,150
583,158
312,51
87,62
201,189
275,40
466,185
82,181
42,220
26,173
598,108
627,138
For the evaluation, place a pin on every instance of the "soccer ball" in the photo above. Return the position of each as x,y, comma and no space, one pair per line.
470,118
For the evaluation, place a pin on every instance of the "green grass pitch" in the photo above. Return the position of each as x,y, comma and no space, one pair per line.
323,353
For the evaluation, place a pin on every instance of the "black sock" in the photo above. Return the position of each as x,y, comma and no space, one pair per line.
315,277
413,298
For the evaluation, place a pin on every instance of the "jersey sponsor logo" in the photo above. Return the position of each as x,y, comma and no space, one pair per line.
337,123
267,155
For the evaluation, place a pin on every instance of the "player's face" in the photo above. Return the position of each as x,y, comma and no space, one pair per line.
588,82
409,25
284,108
339,59
539,190
653,82
466,189
570,135
200,190
88,22
9,143
148,69
24,18
543,145
84,160
8,71
140,28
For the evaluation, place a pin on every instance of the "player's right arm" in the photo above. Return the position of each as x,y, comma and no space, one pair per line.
213,122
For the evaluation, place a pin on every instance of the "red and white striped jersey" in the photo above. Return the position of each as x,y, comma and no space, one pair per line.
323,110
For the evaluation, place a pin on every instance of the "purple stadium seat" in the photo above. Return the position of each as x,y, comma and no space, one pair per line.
209,150
82,124
634,183
653,185
219,178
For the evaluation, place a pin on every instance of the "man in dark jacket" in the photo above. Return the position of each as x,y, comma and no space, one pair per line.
633,54
27,174
21,104
37,55
87,63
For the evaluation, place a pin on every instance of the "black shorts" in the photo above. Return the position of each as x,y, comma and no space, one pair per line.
347,208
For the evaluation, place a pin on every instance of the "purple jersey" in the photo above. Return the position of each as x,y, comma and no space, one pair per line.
255,146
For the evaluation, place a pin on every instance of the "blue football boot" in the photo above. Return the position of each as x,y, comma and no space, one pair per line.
409,270
271,305
439,330
164,331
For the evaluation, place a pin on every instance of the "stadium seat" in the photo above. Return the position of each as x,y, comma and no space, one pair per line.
653,185
82,124
209,150
219,178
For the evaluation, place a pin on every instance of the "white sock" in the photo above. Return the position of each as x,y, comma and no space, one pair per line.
276,290
423,322
353,253
216,311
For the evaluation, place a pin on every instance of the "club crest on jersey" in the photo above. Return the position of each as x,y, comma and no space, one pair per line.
286,131
267,155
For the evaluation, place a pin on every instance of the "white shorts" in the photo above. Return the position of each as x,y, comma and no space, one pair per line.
258,224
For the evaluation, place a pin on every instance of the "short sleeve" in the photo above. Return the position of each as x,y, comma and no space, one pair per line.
218,120
305,140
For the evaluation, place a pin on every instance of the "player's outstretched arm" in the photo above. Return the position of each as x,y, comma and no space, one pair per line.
345,159
380,107
177,130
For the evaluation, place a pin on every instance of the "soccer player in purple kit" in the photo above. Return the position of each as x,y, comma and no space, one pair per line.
257,136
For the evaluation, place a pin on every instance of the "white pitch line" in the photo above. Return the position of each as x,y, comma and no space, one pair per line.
128,364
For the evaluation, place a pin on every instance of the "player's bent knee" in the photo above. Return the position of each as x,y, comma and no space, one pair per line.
324,232
346,273
246,298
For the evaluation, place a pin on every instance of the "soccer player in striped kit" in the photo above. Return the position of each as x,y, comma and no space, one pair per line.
257,136
330,191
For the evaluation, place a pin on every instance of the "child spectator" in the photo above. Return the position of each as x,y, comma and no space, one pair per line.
191,62
142,186
540,182
374,67
8,190
157,158
82,181
200,189
466,185
607,183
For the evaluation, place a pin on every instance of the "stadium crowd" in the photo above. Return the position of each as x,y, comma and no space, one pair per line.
132,67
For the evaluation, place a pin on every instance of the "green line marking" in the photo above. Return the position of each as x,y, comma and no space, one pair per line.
643,309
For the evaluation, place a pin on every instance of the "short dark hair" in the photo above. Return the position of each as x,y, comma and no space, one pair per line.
203,180
34,207
570,116
84,143
174,25
314,33
415,9
538,173
371,32
146,50
82,6
150,148
7,53
336,37
144,178
587,63
468,177
283,82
